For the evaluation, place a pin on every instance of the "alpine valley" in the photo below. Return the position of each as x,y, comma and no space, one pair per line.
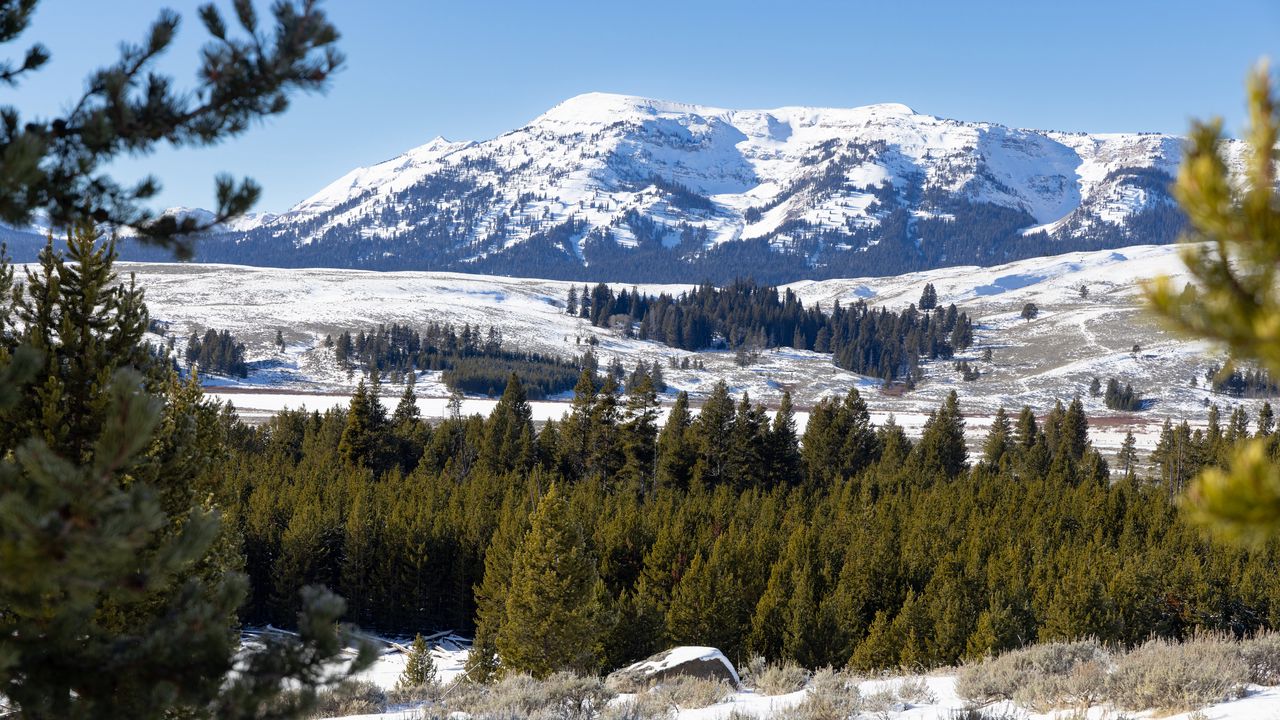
609,187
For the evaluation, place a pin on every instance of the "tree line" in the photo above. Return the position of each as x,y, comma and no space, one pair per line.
473,360
849,544
869,341
217,352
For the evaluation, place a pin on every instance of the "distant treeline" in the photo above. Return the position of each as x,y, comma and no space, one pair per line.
877,342
473,360
1242,384
218,352
1124,398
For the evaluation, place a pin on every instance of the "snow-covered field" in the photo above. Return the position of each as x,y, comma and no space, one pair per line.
1034,363
938,701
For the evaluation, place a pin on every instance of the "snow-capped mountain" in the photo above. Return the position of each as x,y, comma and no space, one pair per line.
616,187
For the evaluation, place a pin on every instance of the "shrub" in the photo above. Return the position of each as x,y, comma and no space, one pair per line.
353,697
1164,675
983,714
915,691
644,706
753,669
426,693
1000,678
687,692
1262,656
780,678
1082,686
897,694
832,696
563,696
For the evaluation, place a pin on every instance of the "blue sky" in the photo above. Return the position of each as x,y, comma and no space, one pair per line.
472,70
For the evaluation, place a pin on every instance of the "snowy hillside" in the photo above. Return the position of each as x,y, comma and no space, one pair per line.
623,188
1053,357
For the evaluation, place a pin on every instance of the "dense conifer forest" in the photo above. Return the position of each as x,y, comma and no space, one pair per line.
745,315
848,545
1242,383
217,352
473,360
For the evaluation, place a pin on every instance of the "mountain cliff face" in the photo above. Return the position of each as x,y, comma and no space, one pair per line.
611,187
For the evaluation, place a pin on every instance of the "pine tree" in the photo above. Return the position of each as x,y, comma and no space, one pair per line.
508,443
713,434
1128,457
675,446
120,601
942,448
571,303
928,298
783,454
553,609
361,436
1075,430
640,433
130,108
1234,270
998,440
1266,420
419,667
492,592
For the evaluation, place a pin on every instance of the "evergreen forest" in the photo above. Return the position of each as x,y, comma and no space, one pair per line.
848,545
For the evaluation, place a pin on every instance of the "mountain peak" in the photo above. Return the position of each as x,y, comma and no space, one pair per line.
621,186
597,107
593,107
889,108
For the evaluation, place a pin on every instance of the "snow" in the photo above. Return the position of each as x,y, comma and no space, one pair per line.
1037,363
684,654
586,159
1259,703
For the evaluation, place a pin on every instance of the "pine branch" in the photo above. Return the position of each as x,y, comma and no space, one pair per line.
129,107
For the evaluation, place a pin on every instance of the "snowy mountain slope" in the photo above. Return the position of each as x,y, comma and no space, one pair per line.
1035,363
626,188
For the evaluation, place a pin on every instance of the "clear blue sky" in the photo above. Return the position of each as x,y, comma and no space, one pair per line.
472,70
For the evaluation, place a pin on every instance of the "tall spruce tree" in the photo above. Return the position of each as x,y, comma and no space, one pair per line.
942,450
998,440
928,297
119,592
553,615
111,599
675,446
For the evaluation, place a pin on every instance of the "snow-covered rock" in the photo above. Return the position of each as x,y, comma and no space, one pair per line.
692,661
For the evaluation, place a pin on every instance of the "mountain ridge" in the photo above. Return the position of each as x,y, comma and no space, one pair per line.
619,187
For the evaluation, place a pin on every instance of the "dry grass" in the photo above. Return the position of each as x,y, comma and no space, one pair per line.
1262,656
1169,676
353,697
687,693
1159,675
780,678
422,694
832,696
644,706
1037,669
563,696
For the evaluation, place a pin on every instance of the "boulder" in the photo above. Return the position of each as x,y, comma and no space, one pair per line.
698,662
